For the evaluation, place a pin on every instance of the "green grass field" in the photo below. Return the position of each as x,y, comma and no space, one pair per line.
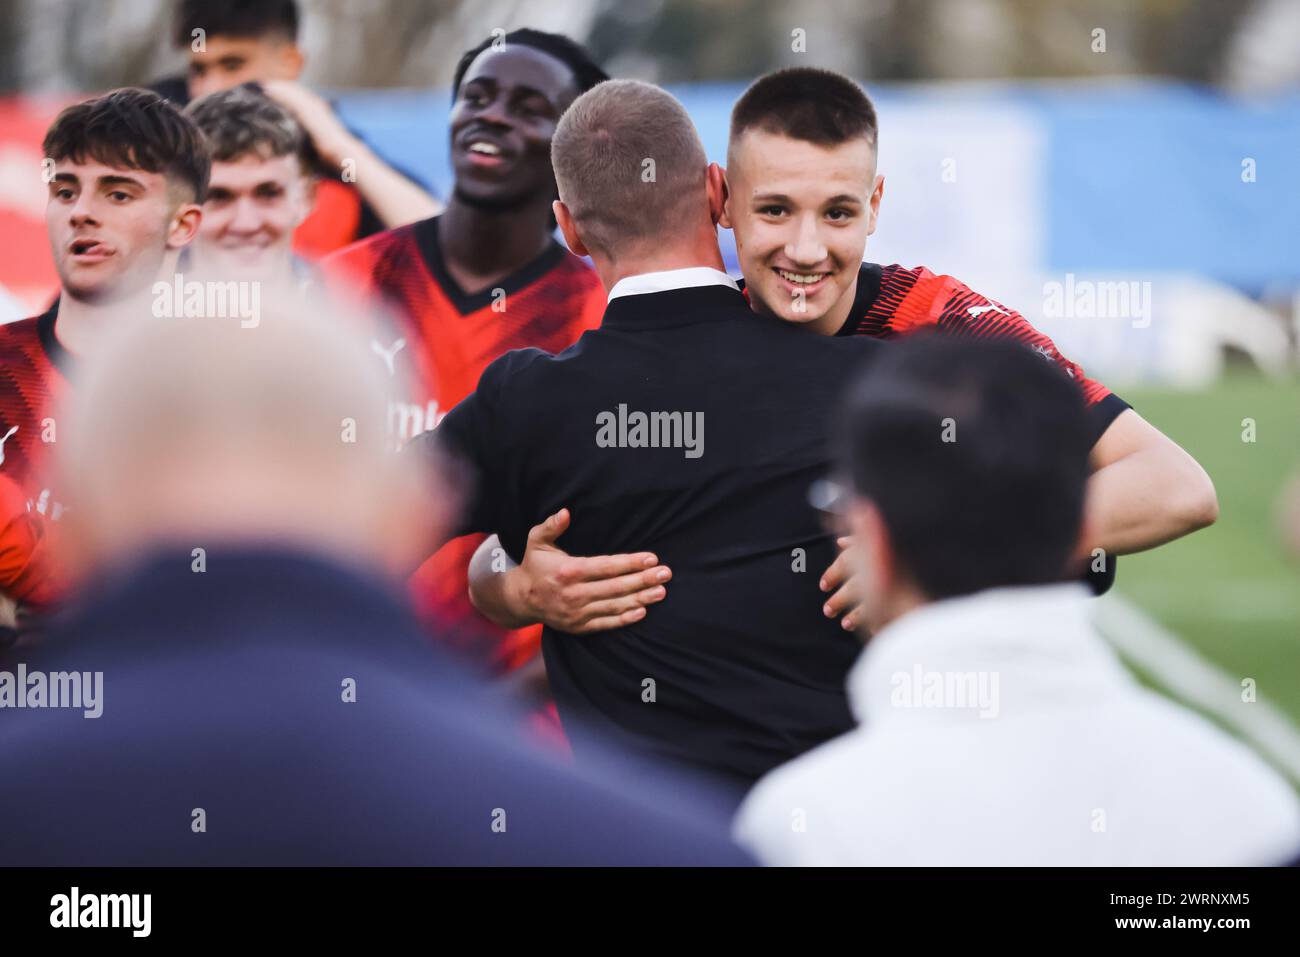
1231,591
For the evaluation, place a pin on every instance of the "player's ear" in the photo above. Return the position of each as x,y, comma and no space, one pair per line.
565,221
715,181
877,194
724,218
184,225
292,60
309,184
876,565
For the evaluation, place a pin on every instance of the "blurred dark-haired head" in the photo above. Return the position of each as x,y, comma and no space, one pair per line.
230,42
967,462
508,94
126,173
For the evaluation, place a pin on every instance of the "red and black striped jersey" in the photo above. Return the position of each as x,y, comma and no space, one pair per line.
444,340
32,382
896,301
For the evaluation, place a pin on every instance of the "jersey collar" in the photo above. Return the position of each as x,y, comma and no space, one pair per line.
426,239
59,357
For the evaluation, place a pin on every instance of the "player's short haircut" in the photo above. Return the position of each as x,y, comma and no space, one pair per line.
629,165
975,452
586,72
246,19
805,103
244,120
134,129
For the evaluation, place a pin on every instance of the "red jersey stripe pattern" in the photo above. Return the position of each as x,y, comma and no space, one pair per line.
30,387
896,300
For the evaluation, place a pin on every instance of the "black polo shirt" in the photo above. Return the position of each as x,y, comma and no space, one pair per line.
689,426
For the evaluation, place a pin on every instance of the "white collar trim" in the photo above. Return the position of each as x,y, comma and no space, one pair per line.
648,282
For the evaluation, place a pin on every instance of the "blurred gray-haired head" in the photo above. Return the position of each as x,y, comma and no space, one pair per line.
198,430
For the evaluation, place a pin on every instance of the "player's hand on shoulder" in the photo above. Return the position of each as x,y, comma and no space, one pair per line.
584,595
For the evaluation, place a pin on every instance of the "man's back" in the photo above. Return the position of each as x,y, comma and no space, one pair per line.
690,427
275,709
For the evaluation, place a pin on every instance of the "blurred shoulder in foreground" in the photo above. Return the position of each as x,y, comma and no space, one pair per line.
241,682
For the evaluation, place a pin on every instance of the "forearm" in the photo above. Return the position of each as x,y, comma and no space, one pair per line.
1147,499
491,572
579,596
394,198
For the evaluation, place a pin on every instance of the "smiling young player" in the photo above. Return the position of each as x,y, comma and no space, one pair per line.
126,173
228,43
484,277
804,196
261,188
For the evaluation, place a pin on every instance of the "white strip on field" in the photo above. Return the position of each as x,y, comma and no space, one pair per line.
1188,676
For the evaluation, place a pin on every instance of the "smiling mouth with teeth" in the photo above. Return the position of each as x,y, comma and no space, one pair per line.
487,149
801,279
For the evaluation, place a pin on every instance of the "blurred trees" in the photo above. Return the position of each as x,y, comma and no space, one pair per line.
94,44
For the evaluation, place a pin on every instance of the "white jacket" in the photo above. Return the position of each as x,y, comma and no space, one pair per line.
999,729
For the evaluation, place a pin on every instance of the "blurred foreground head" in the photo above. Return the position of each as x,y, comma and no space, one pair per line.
191,432
968,464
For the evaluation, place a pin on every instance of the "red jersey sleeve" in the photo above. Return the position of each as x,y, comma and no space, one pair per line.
26,569
916,299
